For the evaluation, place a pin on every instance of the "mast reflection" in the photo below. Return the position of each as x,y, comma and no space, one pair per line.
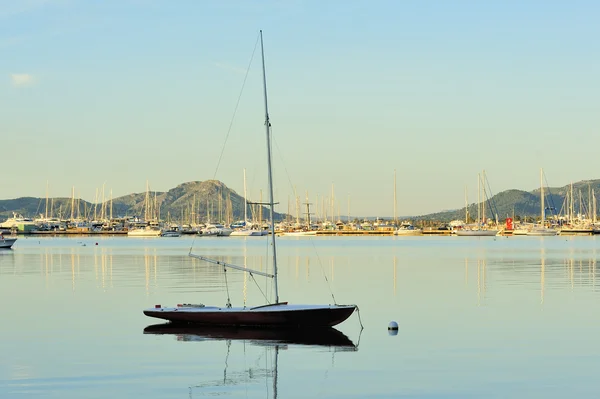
269,339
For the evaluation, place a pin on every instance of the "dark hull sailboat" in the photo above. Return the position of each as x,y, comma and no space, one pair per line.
279,315
276,315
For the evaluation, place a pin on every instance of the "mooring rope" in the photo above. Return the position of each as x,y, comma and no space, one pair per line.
359,320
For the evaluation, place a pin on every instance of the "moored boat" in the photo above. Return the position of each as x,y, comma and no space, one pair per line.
271,315
7,242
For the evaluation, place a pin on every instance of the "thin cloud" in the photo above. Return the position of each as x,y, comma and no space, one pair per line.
22,79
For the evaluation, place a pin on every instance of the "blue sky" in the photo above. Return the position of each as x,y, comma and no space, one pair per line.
121,92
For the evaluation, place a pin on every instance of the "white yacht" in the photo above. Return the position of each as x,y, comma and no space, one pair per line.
216,229
19,223
407,229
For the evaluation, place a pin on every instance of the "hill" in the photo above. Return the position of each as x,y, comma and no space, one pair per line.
526,203
199,199
193,200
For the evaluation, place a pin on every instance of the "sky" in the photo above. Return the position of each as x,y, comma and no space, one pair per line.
118,93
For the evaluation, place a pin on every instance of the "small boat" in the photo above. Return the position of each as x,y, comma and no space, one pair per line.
298,233
271,315
246,233
6,242
542,231
144,232
171,233
216,229
407,229
476,232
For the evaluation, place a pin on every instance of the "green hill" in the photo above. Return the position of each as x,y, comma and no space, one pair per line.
526,204
197,199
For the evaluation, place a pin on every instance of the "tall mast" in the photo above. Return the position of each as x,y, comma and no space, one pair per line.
594,207
270,172
72,203
478,201
483,197
466,207
245,200
46,215
332,205
590,201
571,209
542,194
395,216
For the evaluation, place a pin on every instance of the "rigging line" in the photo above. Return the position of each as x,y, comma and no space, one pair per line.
324,273
227,287
236,107
261,291
267,257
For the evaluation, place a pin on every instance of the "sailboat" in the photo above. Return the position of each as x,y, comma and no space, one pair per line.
6,242
270,315
542,229
245,230
480,229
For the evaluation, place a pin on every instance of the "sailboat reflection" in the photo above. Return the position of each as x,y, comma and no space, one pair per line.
324,337
269,339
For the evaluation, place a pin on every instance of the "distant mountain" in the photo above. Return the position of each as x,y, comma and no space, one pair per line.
181,203
526,204
193,198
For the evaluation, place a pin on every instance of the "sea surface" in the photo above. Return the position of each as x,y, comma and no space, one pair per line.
479,317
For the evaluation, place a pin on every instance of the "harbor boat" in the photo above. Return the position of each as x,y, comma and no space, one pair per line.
147,231
19,223
271,315
542,229
171,233
407,229
216,229
476,232
243,229
479,229
6,242
299,233
246,233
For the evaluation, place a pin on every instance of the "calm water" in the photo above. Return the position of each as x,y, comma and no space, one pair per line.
479,317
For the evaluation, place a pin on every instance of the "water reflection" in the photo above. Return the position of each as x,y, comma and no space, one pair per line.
319,337
545,269
272,340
